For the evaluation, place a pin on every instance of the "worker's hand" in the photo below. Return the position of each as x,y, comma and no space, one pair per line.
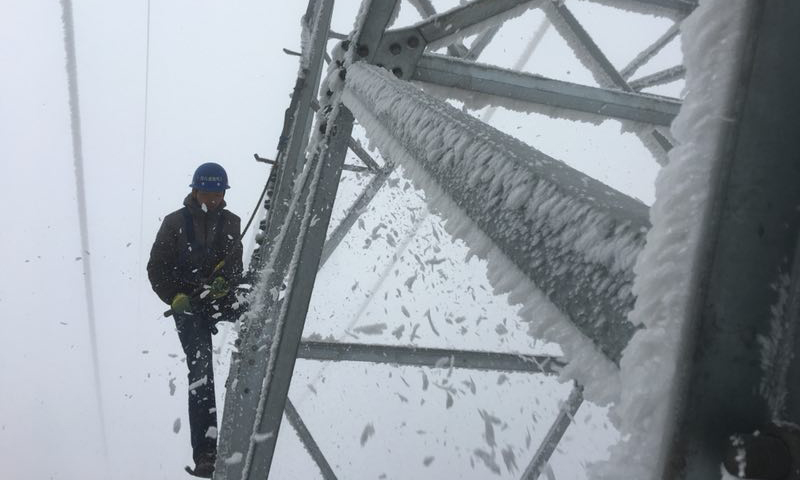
180,303
219,288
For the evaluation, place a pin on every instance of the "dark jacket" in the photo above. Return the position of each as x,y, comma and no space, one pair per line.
175,266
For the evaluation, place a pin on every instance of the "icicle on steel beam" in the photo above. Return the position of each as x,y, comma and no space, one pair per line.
249,362
748,245
357,149
428,357
554,435
474,77
574,237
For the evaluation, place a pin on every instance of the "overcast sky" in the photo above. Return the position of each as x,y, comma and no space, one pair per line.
218,88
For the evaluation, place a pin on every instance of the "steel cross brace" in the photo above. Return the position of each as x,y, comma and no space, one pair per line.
659,78
650,51
683,6
674,9
486,79
605,73
355,211
345,167
426,9
480,43
399,50
554,435
438,28
428,357
311,445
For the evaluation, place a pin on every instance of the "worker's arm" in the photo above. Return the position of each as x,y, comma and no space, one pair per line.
163,262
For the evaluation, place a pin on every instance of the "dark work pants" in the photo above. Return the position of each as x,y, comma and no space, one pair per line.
195,336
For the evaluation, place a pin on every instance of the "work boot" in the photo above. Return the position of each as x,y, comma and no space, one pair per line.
204,465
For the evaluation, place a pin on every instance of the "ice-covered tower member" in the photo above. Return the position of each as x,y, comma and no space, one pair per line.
195,259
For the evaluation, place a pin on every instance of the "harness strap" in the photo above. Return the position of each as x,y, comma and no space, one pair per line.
188,225
219,241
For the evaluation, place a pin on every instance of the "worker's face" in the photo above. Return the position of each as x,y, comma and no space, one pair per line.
211,200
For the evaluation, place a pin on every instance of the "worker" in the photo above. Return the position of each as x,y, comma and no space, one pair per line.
194,264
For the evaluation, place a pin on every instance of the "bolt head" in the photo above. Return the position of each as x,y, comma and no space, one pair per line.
362,50
398,72
412,42
395,48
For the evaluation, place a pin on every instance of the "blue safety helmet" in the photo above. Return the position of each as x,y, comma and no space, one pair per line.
210,177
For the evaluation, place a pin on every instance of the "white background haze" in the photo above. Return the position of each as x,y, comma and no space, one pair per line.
218,88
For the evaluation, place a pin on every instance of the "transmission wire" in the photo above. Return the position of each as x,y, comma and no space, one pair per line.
80,185
144,163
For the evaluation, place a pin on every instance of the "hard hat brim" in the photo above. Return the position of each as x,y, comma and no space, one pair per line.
209,188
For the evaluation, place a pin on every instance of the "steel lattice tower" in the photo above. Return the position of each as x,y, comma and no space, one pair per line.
369,79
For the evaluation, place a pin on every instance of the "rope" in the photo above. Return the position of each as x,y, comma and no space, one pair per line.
270,181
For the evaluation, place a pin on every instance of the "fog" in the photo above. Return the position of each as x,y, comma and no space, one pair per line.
217,86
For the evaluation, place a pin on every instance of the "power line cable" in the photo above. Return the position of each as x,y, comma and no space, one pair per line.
80,184
144,162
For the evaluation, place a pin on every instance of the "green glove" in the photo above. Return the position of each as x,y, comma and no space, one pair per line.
180,303
219,288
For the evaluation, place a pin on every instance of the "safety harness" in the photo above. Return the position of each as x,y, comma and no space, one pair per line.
184,257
